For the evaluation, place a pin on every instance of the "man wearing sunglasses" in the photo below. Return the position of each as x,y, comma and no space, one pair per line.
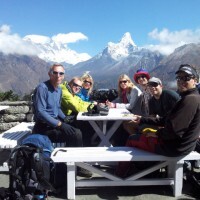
48,116
181,126
162,101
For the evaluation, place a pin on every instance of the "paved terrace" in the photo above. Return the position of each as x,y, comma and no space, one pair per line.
119,193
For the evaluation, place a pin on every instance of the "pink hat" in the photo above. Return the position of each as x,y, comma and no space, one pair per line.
141,72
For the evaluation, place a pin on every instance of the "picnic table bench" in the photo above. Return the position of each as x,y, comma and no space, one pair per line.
86,157
13,137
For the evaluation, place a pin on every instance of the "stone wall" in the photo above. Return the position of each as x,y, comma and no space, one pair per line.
18,111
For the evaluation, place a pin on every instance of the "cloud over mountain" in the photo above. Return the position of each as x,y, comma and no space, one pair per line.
55,49
50,49
14,44
168,41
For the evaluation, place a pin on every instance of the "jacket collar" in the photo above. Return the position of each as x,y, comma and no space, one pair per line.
188,92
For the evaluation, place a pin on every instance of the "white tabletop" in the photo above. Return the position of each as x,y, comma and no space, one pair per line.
113,114
3,107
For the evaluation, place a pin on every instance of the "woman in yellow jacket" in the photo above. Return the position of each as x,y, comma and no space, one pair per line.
72,104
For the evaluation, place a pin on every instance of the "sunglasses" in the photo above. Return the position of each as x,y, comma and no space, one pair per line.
88,82
153,84
56,73
142,76
123,81
184,78
77,86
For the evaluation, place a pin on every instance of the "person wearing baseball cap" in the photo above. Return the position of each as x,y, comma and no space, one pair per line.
154,80
162,101
189,70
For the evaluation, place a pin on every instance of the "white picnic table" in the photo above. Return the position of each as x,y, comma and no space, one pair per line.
99,123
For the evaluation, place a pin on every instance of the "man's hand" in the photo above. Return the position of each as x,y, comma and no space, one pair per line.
136,119
110,104
67,128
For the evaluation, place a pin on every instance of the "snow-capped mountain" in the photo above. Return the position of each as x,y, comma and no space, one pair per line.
122,49
52,51
117,58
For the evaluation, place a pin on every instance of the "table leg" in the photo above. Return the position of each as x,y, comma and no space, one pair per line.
111,131
100,133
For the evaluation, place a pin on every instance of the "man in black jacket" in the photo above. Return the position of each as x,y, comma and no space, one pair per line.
162,101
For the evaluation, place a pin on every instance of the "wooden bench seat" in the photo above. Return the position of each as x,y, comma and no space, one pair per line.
13,137
85,158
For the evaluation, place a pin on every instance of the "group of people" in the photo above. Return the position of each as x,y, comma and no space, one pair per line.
165,122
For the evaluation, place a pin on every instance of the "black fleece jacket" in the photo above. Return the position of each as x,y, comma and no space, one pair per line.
181,125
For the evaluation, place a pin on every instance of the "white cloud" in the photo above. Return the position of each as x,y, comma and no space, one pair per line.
55,49
38,39
5,29
69,37
13,44
37,44
168,41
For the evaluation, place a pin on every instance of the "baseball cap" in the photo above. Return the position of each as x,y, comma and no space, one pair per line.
139,72
155,80
188,69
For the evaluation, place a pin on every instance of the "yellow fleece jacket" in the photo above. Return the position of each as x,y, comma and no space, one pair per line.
72,103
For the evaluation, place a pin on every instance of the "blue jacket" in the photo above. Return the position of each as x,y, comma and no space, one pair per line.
47,104
83,94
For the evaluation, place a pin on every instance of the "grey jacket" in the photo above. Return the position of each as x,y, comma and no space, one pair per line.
133,98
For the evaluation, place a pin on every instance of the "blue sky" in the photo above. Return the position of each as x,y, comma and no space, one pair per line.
150,22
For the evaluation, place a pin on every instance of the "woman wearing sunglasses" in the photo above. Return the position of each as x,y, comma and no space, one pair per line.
128,95
87,87
72,104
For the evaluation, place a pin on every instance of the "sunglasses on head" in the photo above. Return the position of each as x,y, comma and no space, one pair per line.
125,81
153,84
88,82
142,76
77,86
184,78
56,73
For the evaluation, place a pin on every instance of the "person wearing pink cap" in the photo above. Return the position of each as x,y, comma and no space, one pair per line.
141,77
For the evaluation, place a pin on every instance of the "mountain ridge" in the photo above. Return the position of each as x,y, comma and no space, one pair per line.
23,73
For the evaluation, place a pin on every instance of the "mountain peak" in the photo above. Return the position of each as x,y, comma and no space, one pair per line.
121,50
53,51
127,39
